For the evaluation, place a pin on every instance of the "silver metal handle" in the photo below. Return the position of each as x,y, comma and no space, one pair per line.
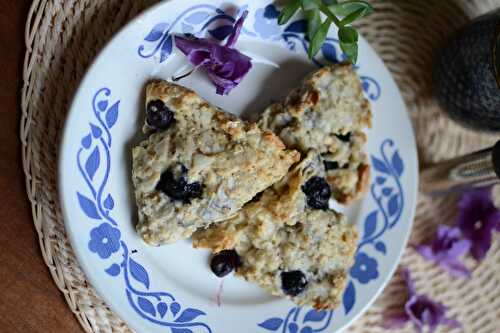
478,169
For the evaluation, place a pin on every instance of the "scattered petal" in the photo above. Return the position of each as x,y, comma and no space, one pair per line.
446,250
477,219
420,310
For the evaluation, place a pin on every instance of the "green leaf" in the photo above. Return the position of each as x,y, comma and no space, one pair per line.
348,7
352,17
313,22
330,2
350,50
288,12
309,5
319,38
348,35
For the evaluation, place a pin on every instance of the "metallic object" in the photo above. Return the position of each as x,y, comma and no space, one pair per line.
478,169
467,74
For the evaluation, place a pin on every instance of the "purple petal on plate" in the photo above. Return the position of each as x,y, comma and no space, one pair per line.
233,38
223,86
225,66
197,50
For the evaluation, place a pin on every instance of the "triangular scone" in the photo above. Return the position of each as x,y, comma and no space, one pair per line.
202,168
279,237
328,113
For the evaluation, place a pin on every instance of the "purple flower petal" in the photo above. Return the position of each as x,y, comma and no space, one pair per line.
458,248
421,310
233,38
223,86
196,50
444,231
226,67
446,249
456,268
477,219
425,251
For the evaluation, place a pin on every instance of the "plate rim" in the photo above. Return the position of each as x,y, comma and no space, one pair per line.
80,256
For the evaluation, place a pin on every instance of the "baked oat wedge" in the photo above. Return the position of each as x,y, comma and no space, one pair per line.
328,113
199,165
287,243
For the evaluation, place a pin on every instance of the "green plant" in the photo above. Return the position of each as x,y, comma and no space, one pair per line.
342,14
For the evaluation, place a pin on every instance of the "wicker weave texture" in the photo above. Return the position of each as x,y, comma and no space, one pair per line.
62,38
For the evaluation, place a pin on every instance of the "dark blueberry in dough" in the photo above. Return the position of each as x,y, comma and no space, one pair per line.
293,282
158,115
331,165
318,192
344,137
171,186
173,182
194,190
225,262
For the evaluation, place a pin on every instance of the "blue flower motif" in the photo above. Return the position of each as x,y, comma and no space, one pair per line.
365,268
104,240
266,22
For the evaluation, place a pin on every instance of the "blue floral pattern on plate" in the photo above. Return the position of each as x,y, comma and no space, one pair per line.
94,165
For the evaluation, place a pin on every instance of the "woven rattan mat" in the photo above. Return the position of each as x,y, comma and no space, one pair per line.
63,36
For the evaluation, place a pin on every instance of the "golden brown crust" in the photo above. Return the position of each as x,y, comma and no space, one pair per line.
364,178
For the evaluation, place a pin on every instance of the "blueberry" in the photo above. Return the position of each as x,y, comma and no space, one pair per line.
331,165
193,190
173,182
225,262
318,192
158,115
344,137
293,282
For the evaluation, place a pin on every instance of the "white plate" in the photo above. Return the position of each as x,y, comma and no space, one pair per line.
171,289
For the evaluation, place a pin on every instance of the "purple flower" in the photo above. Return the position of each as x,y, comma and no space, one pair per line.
420,310
477,219
446,249
225,65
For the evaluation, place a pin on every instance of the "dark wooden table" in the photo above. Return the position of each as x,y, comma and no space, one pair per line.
30,301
